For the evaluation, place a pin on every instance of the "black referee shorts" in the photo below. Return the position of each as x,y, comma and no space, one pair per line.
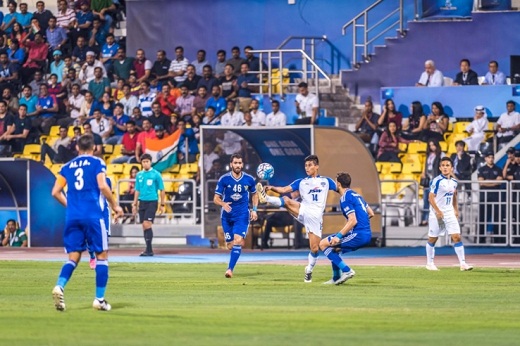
147,210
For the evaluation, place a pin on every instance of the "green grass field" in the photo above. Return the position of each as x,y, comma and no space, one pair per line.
187,304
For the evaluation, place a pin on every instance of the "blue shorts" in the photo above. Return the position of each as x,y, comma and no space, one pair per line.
237,226
79,233
352,241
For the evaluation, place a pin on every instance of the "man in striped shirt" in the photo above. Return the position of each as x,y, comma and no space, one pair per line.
146,99
66,17
179,66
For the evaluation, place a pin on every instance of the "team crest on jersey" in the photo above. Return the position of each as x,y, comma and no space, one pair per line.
149,182
323,184
236,196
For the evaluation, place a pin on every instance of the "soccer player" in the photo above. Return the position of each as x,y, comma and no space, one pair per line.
232,194
147,183
86,180
354,235
313,191
444,214
106,219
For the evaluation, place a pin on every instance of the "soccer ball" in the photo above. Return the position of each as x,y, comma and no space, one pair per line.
265,171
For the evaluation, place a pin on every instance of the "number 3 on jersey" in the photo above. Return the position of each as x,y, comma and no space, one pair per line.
80,182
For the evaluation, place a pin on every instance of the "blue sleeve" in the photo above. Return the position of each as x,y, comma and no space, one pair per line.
332,184
219,190
347,207
252,184
100,167
434,187
109,183
295,185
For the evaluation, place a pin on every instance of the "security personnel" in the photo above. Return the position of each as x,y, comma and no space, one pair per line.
489,197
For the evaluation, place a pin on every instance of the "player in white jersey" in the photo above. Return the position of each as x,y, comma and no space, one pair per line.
444,214
313,191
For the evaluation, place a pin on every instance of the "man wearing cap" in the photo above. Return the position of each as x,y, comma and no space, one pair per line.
160,132
87,70
158,118
489,197
476,129
57,65
510,166
508,124
56,35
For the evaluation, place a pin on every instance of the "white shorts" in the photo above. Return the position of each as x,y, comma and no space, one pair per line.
311,218
438,227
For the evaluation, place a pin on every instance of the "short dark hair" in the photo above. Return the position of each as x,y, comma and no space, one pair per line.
63,127
248,47
221,51
235,48
202,51
131,122
275,102
235,156
76,128
303,85
446,158
344,179
120,105
511,102
465,60
493,62
86,142
179,47
146,157
313,158
22,105
460,143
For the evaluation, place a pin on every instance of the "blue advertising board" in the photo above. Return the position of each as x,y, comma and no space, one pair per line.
447,8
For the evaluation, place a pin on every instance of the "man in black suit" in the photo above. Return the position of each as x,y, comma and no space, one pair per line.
462,164
466,76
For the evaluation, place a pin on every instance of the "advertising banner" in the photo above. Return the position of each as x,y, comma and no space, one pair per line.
447,8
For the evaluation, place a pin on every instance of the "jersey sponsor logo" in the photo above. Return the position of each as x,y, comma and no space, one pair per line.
236,196
315,190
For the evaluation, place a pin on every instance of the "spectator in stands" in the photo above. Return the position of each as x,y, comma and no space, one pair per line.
3,44
389,144
122,66
462,167
436,124
431,77
253,62
55,89
127,197
137,116
36,57
466,76
166,100
367,125
70,79
15,54
196,122
276,118
128,144
160,67
36,83
57,66
179,66
109,53
142,66
47,108
510,165
488,198
158,118
514,174
101,9
84,20
8,73
118,124
188,144
14,236
6,129
9,18
430,171
97,35
307,105
20,35
208,156
88,70
99,85
73,106
248,120
87,108
508,124
117,92
207,79
10,100
22,128
477,129
148,132
414,125
192,80
199,103
233,116
200,62
129,101
42,15
257,116
494,76
184,104
228,84
79,53
56,36
100,125
209,117
244,81
98,142
146,99
216,101
24,17
236,60
56,152
390,114
220,64
29,100
65,17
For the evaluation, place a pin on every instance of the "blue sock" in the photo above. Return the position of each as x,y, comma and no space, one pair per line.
101,278
336,259
336,272
234,255
66,273
91,254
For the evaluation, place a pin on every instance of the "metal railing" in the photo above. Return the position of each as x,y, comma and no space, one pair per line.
277,84
361,22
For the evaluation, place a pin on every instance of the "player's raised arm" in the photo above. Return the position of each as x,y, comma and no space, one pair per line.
57,190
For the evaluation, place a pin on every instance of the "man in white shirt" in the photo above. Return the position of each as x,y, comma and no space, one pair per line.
232,117
494,76
307,105
129,101
508,124
179,65
275,118
73,104
257,116
200,62
100,125
87,70
431,77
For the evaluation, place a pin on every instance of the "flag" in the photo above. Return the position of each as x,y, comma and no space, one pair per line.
163,151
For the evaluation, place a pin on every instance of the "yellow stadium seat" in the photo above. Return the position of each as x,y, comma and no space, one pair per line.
54,131
379,166
117,150
411,167
491,127
70,131
460,127
456,137
395,167
415,158
385,167
187,168
451,149
416,147
114,169
174,169
55,168
450,127
403,147
402,185
390,187
108,149
444,146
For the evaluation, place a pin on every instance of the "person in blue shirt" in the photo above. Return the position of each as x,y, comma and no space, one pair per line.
216,101
9,18
232,194
244,88
109,52
147,183
85,177
188,144
354,235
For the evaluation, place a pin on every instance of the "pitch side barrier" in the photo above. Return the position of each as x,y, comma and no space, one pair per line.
489,215
181,198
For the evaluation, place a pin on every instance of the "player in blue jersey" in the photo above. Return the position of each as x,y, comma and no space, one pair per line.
354,235
313,191
106,218
444,214
86,180
232,194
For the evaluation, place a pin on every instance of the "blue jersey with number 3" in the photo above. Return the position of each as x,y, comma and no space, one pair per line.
352,202
84,198
237,192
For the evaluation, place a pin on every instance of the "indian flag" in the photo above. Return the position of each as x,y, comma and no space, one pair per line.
163,151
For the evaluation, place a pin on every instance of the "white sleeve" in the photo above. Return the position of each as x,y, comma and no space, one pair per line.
147,65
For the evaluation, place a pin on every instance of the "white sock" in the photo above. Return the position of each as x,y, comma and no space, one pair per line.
313,258
274,201
459,250
430,252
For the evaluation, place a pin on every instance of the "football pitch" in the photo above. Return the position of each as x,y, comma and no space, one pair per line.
263,304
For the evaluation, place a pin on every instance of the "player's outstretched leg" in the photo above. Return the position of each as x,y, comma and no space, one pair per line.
430,255
271,200
336,273
331,253
234,255
101,284
63,279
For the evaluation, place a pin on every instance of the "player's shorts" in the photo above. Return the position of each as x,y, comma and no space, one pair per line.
311,218
353,240
449,223
147,210
107,218
79,233
232,226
